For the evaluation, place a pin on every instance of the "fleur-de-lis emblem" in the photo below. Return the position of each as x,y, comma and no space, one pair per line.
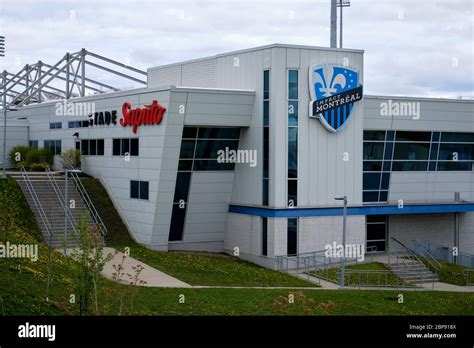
326,81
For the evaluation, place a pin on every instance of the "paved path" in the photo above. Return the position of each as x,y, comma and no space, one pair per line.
152,276
156,278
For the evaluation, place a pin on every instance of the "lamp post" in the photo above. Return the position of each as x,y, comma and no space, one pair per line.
5,110
343,259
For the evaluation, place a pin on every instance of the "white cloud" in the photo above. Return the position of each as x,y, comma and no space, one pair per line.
410,46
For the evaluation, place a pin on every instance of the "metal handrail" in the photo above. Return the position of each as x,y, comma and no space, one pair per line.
36,201
443,253
466,273
93,211
425,253
57,191
383,274
408,252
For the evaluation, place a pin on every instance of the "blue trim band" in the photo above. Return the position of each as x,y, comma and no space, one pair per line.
360,210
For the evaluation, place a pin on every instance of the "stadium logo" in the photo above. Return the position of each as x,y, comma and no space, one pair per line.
334,90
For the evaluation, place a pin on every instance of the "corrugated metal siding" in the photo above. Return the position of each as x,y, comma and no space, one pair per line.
165,76
199,74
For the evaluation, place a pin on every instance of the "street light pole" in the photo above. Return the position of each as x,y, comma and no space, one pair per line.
4,160
343,259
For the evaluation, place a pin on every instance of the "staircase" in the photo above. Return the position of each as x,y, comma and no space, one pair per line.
41,190
406,264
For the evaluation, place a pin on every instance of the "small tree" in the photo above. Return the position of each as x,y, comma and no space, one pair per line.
90,261
71,158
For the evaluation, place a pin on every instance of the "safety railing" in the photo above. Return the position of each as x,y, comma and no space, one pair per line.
403,254
469,275
37,203
355,278
426,255
69,216
90,206
446,254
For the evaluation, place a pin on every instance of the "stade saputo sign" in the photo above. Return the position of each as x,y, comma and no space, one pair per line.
148,115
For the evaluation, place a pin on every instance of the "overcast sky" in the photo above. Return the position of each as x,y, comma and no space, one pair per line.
412,47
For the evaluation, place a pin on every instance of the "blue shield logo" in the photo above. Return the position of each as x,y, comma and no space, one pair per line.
334,90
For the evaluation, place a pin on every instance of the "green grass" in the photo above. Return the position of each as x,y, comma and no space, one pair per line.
367,279
191,267
15,210
23,292
449,273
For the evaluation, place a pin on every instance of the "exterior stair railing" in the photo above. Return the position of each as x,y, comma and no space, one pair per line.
93,211
37,203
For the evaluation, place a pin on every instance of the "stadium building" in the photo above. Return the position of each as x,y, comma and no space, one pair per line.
246,151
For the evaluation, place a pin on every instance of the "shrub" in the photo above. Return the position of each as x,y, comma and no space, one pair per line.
38,167
46,156
22,150
71,158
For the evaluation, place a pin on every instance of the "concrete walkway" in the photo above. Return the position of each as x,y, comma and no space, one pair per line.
152,276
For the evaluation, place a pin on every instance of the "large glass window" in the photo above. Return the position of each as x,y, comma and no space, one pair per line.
373,151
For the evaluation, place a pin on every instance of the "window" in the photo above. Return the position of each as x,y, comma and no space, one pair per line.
139,189
292,237
292,170
54,145
374,135
92,147
55,125
78,124
264,236
373,151
266,136
124,146
376,229
411,151
199,147
34,144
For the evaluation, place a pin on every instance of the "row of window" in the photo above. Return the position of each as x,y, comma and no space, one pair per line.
71,124
291,237
390,151
266,136
91,147
292,184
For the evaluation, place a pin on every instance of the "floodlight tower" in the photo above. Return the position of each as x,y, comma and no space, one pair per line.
341,4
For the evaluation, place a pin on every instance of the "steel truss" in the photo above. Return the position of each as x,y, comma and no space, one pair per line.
66,79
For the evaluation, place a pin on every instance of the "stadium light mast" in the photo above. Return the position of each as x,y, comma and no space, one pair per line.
341,4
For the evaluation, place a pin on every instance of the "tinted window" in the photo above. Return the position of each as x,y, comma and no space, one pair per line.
407,166
116,147
411,151
371,181
183,180
92,147
134,189
219,133
100,147
374,135
457,137
187,149
373,151
143,189
292,236
134,147
177,223
292,152
125,147
293,84
413,136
